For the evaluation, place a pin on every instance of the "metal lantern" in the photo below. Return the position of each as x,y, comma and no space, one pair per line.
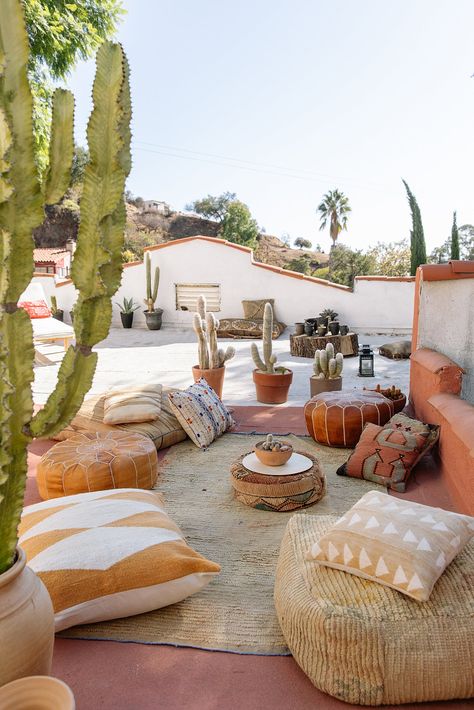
366,361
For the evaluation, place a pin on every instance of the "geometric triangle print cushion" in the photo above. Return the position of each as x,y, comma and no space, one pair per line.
110,554
402,545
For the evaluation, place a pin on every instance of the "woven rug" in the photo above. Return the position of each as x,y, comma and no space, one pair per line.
235,612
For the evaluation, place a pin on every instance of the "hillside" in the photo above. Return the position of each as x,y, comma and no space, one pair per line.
146,229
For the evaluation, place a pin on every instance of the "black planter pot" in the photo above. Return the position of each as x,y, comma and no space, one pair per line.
323,320
309,326
334,327
59,315
344,329
127,319
153,319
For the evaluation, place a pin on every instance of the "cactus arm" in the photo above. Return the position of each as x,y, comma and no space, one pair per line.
339,364
330,350
267,333
259,364
23,211
148,277
271,364
316,366
212,338
203,352
323,362
61,151
332,368
226,356
201,307
156,283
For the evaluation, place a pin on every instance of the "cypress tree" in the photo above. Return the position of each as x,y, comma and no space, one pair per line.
454,239
417,237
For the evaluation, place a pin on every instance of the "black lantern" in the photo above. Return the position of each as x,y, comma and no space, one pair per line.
366,361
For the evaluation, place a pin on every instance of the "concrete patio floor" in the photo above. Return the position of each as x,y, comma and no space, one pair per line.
166,356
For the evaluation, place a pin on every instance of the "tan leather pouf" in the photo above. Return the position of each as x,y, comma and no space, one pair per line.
95,461
365,643
337,418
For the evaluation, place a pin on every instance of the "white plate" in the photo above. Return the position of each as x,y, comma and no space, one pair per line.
297,463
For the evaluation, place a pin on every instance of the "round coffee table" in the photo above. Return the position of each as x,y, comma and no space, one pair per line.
278,493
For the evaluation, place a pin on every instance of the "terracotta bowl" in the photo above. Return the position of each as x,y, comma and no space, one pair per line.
38,692
273,458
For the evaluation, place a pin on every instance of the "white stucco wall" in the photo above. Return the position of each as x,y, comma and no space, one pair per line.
49,286
446,324
375,306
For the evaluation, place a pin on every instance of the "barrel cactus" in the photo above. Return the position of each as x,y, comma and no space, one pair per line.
326,366
269,360
97,266
205,325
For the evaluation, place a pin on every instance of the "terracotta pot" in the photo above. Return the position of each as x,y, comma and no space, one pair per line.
318,385
273,458
214,378
39,692
26,623
272,389
299,328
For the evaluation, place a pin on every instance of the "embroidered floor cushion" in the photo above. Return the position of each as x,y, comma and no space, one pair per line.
110,554
164,431
338,418
247,328
254,310
95,462
398,350
365,643
133,404
201,413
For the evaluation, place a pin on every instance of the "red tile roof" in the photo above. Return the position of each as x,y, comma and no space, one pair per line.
54,255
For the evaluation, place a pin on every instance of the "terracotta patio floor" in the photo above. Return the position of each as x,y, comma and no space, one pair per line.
129,676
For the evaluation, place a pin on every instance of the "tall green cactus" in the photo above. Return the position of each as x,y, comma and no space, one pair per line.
205,326
326,366
151,291
96,270
268,363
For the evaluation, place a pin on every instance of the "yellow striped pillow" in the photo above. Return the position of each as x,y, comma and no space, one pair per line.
133,404
110,554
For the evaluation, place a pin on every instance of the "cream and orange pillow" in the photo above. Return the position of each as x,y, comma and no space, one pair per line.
133,404
110,554
397,543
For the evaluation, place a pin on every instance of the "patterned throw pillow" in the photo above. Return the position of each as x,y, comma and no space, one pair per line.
201,413
386,455
110,554
403,545
254,310
133,404
35,309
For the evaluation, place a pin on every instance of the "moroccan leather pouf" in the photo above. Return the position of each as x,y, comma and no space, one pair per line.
365,643
337,418
276,493
96,461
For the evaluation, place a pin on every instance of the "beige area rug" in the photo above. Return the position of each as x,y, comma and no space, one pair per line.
235,612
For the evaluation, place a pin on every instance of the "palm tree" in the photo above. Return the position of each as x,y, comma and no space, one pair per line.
334,208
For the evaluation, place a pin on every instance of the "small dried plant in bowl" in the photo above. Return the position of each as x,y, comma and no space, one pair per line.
272,452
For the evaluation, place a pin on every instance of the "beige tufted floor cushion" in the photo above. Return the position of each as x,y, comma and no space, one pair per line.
368,644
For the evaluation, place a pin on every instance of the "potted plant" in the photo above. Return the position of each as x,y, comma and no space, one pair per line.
334,327
327,315
26,611
55,311
127,309
212,359
322,330
271,384
393,393
152,315
327,371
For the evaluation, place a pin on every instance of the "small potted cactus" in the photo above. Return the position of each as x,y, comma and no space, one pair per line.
393,393
212,359
327,371
271,383
272,452
56,312
152,315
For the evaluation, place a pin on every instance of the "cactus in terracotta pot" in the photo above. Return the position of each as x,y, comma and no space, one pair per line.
97,266
271,383
212,359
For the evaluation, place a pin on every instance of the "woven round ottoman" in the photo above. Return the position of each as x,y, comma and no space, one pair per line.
96,461
337,418
368,644
280,494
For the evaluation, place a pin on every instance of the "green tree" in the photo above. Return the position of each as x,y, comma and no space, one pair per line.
391,259
454,239
346,264
334,209
442,254
61,33
239,226
303,243
211,207
79,162
301,264
417,237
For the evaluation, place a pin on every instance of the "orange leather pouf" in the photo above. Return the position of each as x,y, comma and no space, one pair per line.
337,418
96,461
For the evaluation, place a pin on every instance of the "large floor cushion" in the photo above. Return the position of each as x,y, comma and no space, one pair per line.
97,461
368,644
246,328
164,431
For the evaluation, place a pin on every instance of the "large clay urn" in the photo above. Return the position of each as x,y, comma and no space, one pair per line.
272,388
214,378
26,623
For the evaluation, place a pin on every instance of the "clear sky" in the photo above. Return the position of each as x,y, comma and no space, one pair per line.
282,100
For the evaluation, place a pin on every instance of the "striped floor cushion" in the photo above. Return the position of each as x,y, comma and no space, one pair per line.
110,554
164,431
